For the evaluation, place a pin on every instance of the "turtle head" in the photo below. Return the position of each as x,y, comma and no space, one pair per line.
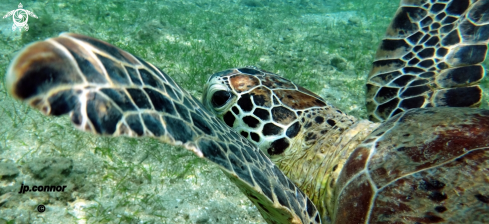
270,111
296,128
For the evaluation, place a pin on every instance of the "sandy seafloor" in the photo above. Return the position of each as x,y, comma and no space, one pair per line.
326,46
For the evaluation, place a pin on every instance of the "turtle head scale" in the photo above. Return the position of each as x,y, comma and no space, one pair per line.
270,111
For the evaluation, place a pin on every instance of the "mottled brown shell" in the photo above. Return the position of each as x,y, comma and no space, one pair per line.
423,166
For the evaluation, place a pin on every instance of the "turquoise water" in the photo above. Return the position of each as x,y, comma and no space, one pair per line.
325,46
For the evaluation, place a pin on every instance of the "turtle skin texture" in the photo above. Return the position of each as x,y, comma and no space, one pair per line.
413,168
423,165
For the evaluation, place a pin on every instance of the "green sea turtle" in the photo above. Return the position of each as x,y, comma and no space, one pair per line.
287,149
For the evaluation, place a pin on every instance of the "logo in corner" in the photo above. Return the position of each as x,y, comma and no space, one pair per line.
20,17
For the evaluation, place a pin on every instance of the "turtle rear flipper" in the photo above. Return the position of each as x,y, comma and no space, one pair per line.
108,91
430,57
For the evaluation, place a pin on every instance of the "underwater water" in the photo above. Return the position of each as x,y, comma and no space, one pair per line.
325,46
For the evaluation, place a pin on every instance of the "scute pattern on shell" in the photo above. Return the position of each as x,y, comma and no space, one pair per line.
430,57
425,165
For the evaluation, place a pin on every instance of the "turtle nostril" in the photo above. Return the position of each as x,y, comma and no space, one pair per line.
220,98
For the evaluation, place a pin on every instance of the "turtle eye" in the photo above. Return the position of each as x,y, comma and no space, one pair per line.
220,98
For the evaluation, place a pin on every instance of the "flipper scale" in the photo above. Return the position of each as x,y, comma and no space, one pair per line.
438,43
107,91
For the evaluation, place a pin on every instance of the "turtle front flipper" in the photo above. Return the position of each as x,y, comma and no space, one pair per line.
430,56
108,91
